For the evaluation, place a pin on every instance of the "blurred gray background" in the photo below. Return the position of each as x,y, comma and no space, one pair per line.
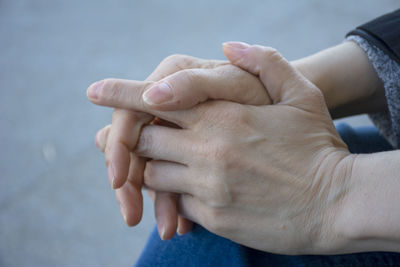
56,207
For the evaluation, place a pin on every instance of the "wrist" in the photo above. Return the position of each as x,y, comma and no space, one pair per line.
346,77
308,68
334,236
369,218
312,68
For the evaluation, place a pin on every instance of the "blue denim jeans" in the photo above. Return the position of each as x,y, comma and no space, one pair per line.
202,248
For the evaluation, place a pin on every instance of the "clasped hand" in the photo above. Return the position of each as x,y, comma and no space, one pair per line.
260,164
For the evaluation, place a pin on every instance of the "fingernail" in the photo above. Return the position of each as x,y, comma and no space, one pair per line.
125,218
122,210
94,90
158,94
179,230
111,176
97,141
161,231
236,45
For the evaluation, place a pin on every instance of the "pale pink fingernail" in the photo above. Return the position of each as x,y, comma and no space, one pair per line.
161,230
97,141
235,51
158,94
94,90
236,45
179,230
163,233
123,213
125,217
111,176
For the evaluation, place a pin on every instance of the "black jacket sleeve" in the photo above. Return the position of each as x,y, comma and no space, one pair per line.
383,32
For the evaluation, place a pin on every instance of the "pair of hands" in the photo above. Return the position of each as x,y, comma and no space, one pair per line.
193,80
271,177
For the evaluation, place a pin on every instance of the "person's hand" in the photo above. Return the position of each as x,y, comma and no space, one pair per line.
195,81
122,137
269,177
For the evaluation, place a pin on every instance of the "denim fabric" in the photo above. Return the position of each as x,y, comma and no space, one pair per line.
202,248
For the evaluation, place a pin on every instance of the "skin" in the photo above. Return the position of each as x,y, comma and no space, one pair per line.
222,151
241,166
332,183
348,68
126,167
346,78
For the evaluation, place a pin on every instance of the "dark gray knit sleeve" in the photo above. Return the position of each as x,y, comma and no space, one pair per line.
388,71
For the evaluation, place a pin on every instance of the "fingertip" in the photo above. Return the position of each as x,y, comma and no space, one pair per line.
184,226
101,137
129,220
236,45
98,141
166,215
132,221
243,56
119,161
235,51
110,175
131,203
94,89
125,218
166,231
115,178
117,183
132,216
162,232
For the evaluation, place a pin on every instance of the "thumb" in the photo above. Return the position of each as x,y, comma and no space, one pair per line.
186,88
283,82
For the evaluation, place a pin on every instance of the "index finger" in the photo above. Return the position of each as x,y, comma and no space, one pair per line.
127,94
125,130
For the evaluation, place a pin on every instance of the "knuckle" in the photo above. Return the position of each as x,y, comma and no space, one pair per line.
272,55
239,115
219,192
214,220
146,142
219,195
149,174
189,77
173,58
227,114
269,54
221,151
111,89
178,60
134,118
232,116
107,158
214,150
316,94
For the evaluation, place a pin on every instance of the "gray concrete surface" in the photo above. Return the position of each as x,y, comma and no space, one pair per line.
56,208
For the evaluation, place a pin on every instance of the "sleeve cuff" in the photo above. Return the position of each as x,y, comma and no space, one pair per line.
388,71
382,32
